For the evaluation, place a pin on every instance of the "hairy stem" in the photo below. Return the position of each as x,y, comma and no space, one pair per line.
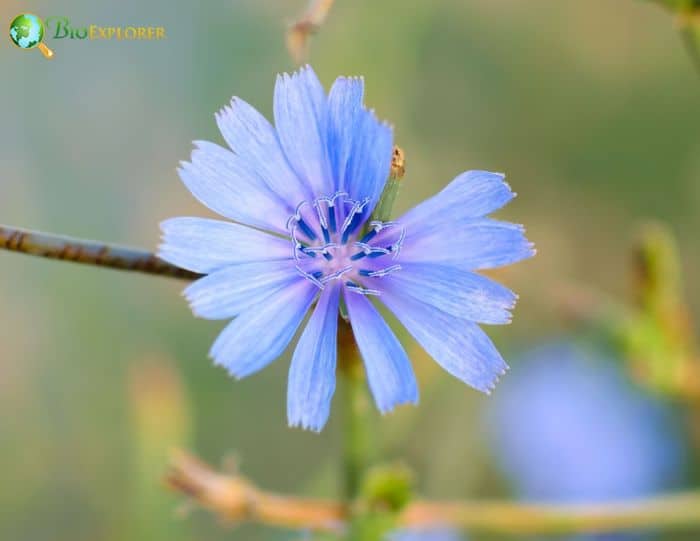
88,252
235,498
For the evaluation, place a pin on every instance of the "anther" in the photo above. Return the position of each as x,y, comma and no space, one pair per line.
369,235
306,229
331,218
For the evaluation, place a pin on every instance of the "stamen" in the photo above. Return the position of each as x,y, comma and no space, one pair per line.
379,226
338,262
322,249
335,275
331,217
396,247
369,235
306,250
352,219
379,273
356,288
309,276
319,211
369,251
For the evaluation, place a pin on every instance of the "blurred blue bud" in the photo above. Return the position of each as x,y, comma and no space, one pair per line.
439,534
568,425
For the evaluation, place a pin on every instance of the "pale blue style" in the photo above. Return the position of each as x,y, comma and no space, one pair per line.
299,196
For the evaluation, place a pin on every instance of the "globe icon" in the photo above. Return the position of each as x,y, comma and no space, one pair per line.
27,31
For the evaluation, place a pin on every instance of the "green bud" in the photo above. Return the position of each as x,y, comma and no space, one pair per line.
657,335
388,487
382,212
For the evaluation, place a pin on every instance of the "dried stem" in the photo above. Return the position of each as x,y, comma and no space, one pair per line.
235,498
88,252
309,23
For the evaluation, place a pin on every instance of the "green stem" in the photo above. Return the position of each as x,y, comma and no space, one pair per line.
356,434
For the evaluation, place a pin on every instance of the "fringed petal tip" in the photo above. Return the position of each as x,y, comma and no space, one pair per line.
529,249
391,408
223,366
302,71
228,109
488,388
302,425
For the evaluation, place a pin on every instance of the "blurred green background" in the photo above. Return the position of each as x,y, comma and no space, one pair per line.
591,107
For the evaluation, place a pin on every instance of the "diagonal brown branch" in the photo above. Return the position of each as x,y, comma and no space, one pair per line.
88,252
236,498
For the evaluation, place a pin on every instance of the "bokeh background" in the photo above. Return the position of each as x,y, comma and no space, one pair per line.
591,107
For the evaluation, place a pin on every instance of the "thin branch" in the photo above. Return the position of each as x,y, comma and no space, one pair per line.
88,252
672,512
309,23
235,498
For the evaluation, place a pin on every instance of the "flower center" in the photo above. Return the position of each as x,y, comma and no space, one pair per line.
330,242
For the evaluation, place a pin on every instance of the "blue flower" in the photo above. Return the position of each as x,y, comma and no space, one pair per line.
300,196
439,534
569,426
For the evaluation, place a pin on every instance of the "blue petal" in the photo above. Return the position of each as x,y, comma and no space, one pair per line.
260,334
232,290
231,187
301,119
312,372
480,243
204,245
253,138
460,293
344,106
369,166
389,371
458,345
360,146
473,194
